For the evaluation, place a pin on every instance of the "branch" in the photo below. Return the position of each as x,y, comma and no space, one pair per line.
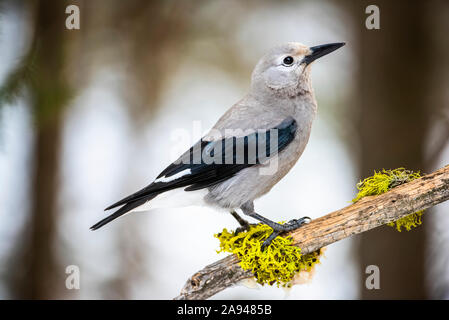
366,214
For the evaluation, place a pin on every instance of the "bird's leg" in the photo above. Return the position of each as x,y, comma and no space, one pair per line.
240,220
244,225
248,209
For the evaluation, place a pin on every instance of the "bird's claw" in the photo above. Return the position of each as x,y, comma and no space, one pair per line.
270,238
291,225
296,223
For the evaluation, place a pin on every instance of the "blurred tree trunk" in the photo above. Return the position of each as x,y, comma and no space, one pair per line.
394,67
156,31
37,269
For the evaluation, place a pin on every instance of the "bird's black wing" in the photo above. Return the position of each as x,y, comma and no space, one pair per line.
210,162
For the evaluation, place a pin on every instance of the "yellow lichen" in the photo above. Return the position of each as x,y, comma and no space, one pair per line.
278,263
383,181
411,221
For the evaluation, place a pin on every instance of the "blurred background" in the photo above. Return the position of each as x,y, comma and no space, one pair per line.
88,116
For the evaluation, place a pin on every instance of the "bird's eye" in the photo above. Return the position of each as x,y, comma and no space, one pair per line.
288,60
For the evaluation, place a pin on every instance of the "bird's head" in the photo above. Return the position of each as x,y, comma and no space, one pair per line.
285,68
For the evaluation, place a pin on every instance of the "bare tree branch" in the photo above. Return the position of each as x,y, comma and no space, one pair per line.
366,214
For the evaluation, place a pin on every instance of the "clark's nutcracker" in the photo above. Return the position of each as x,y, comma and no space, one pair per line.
251,147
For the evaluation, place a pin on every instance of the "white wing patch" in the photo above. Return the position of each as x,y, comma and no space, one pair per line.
174,177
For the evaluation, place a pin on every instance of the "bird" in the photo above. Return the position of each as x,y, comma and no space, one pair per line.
253,145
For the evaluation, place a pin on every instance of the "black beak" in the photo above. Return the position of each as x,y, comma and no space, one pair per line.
322,50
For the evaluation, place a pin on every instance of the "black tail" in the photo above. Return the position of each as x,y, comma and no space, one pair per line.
126,208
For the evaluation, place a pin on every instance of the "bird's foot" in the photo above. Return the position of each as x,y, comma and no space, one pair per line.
242,228
296,223
286,227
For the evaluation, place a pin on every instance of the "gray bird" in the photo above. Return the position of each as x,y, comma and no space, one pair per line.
251,147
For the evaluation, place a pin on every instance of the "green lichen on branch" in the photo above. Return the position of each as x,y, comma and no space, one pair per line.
382,182
277,264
